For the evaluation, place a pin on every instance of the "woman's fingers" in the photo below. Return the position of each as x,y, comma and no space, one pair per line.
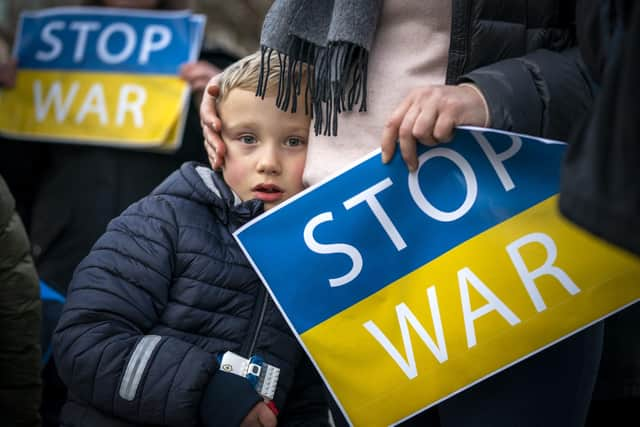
211,125
391,128
406,139
430,114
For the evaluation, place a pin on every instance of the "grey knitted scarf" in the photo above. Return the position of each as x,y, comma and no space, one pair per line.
334,37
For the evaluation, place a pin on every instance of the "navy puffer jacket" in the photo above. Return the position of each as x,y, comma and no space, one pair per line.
162,292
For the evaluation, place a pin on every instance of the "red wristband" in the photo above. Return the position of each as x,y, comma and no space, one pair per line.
273,407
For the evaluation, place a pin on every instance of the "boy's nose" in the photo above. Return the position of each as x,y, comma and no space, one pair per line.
268,163
267,170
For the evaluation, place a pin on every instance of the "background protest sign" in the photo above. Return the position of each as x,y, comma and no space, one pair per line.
101,76
407,288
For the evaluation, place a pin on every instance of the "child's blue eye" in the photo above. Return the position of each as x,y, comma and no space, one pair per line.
248,139
294,142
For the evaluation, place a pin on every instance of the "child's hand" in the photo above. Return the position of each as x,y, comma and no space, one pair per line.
260,416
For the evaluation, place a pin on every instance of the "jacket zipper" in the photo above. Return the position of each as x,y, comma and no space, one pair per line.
258,325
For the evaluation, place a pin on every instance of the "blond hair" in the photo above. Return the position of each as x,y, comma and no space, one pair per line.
249,74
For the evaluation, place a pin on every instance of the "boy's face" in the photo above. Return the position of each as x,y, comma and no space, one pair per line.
266,147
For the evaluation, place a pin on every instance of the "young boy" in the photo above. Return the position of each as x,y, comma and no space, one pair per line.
166,292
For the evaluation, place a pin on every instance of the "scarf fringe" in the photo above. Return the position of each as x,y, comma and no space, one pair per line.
336,80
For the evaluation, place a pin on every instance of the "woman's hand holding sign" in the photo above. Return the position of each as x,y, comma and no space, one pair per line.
429,115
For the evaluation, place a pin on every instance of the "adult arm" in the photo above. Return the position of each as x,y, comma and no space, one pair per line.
541,93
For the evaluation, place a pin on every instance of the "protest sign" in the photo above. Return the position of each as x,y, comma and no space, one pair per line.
101,76
406,288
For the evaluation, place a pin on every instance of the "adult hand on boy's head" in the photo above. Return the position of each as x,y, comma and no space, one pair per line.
430,114
211,124
260,416
8,73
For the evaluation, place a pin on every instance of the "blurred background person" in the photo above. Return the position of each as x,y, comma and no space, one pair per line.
19,321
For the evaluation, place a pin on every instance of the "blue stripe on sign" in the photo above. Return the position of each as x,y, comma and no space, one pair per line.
302,286
106,42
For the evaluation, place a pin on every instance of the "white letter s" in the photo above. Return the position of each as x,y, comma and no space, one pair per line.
343,248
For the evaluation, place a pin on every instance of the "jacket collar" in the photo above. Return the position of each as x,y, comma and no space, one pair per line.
199,183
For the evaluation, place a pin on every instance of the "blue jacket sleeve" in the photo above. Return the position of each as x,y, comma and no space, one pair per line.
541,93
103,345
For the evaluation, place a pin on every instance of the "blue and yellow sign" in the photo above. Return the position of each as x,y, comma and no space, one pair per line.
102,76
406,288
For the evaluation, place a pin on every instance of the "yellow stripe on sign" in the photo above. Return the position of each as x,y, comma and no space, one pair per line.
121,109
492,300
